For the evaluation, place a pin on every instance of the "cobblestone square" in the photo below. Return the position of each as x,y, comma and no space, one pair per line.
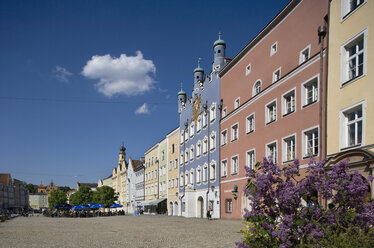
119,231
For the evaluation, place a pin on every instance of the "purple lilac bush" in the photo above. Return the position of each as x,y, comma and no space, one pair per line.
286,212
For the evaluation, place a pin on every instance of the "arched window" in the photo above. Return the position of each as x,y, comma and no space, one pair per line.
256,88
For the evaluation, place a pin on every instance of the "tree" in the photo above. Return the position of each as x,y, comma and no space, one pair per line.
64,188
82,197
285,211
104,195
30,187
57,197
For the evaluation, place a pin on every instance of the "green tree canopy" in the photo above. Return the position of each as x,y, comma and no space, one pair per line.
82,197
30,187
64,188
104,195
57,197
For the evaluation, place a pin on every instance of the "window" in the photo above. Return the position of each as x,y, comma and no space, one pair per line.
192,129
310,92
248,70
182,137
228,205
250,123
352,126
172,148
191,177
235,164
205,173
186,179
276,75
171,164
224,137
224,112
181,159
304,55
349,6
234,132
213,141
176,182
237,103
271,150
186,156
176,163
256,88
251,159
162,155
289,103
186,134
223,168
204,119
353,57
212,112
205,145
198,149
198,126
271,112
289,147
198,175
311,145
192,153
274,48
212,171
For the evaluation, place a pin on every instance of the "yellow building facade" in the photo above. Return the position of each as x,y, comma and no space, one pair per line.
119,177
151,173
173,171
350,90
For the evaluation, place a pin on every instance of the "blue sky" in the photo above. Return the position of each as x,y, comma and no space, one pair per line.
78,77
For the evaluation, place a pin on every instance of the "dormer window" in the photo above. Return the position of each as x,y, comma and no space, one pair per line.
276,75
256,88
274,48
248,69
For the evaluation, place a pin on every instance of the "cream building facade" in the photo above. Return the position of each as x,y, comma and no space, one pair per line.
173,172
119,177
350,92
151,173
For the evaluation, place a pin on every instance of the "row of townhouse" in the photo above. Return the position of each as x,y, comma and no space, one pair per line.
301,88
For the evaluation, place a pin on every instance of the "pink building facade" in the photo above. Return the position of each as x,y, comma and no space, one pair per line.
273,95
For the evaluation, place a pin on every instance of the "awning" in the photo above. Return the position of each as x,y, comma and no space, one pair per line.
156,202
143,203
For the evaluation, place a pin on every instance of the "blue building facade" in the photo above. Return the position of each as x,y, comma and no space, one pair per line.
199,140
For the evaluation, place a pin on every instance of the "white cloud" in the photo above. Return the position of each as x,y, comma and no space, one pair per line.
62,74
127,75
143,109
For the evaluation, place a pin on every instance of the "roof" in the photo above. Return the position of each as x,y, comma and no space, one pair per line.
135,163
4,178
91,185
273,23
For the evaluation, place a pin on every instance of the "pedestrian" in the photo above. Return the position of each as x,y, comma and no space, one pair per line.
208,214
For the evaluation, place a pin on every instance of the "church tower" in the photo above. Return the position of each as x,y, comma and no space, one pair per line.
122,154
219,53
198,75
182,97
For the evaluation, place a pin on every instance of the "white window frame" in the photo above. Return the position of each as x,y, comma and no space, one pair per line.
344,64
232,165
346,11
305,133
270,116
182,136
268,152
233,138
285,141
343,141
224,135
176,163
213,112
248,69
198,149
198,175
237,103
254,89
186,156
198,124
224,167
274,48
192,179
192,153
302,57
205,173
192,129
251,161
276,75
284,102
212,170
205,145
250,119
315,92
213,141
224,112
205,117
186,133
